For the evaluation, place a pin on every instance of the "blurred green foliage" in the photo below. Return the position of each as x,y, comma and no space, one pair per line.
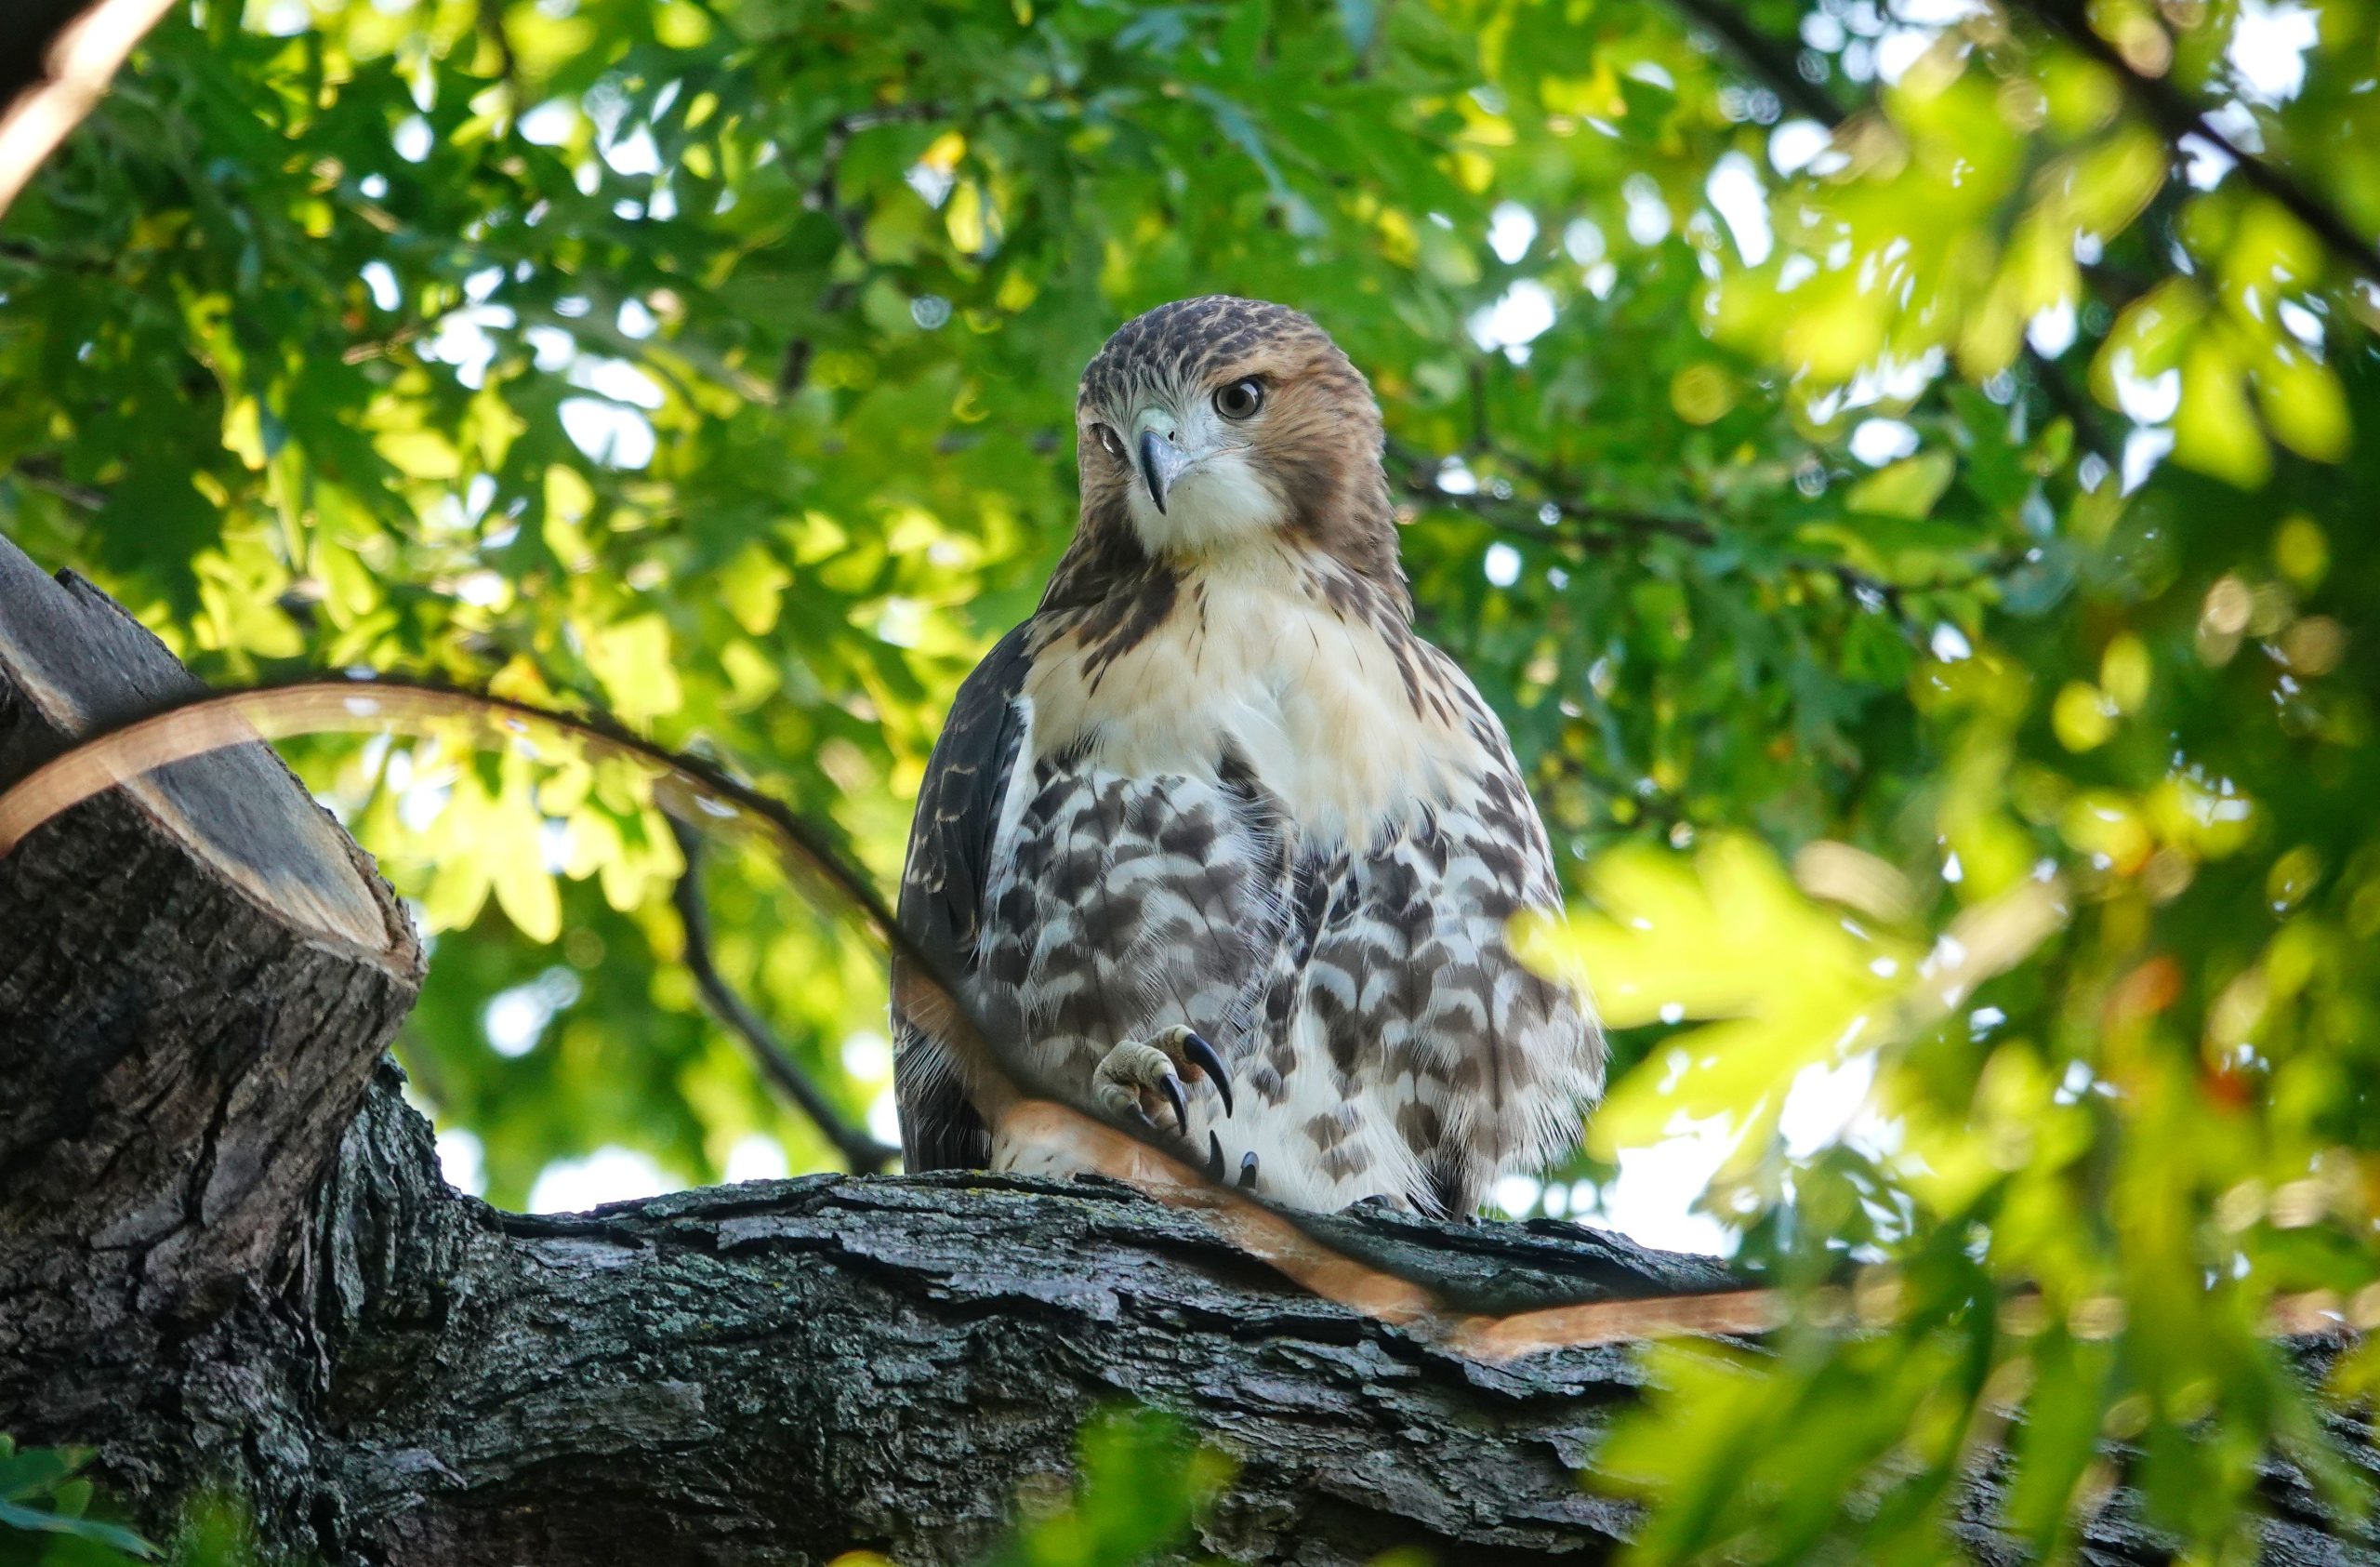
44,1506
1904,484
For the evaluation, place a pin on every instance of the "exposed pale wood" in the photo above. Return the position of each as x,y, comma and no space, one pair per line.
74,662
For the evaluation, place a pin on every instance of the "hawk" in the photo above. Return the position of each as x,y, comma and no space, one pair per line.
1214,839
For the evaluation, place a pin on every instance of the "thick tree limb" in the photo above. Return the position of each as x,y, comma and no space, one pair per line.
196,973
392,1372
192,962
784,1369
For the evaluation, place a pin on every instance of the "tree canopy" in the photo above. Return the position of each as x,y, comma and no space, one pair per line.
1900,471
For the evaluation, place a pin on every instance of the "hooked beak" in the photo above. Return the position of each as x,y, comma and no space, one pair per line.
1161,463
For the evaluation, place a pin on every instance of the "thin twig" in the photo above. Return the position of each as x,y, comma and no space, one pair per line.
1612,524
862,1153
357,353
1599,529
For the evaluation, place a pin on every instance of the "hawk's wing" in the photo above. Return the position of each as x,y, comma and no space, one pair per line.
942,899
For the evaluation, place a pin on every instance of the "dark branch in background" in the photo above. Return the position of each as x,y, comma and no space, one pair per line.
794,373
42,475
491,23
56,58
1770,59
26,39
826,195
2175,117
1777,62
1597,528
23,253
862,1153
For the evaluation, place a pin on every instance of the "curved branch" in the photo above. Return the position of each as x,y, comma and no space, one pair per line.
863,1154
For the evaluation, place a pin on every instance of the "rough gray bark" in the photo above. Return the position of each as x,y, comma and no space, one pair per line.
782,1370
226,1255
196,975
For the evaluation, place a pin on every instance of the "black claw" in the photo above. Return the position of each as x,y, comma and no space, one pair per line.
1209,1064
1215,1157
1247,1171
1180,1101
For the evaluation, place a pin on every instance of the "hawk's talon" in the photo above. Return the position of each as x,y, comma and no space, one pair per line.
1171,1086
1141,1080
1215,1157
1209,1064
1247,1171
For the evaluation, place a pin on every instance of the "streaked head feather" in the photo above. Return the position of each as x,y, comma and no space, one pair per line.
1307,466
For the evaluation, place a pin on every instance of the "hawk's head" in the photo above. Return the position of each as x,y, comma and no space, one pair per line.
1218,421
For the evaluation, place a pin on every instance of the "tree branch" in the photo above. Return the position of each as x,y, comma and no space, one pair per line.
1769,58
887,1362
197,972
2175,117
1600,529
861,1153
507,62
1774,61
42,475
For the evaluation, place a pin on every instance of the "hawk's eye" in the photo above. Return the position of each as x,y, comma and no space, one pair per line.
1240,399
1107,439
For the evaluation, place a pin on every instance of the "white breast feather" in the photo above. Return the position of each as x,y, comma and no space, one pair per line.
1314,703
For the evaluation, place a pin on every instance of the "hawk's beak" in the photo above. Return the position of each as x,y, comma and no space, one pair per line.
1161,463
